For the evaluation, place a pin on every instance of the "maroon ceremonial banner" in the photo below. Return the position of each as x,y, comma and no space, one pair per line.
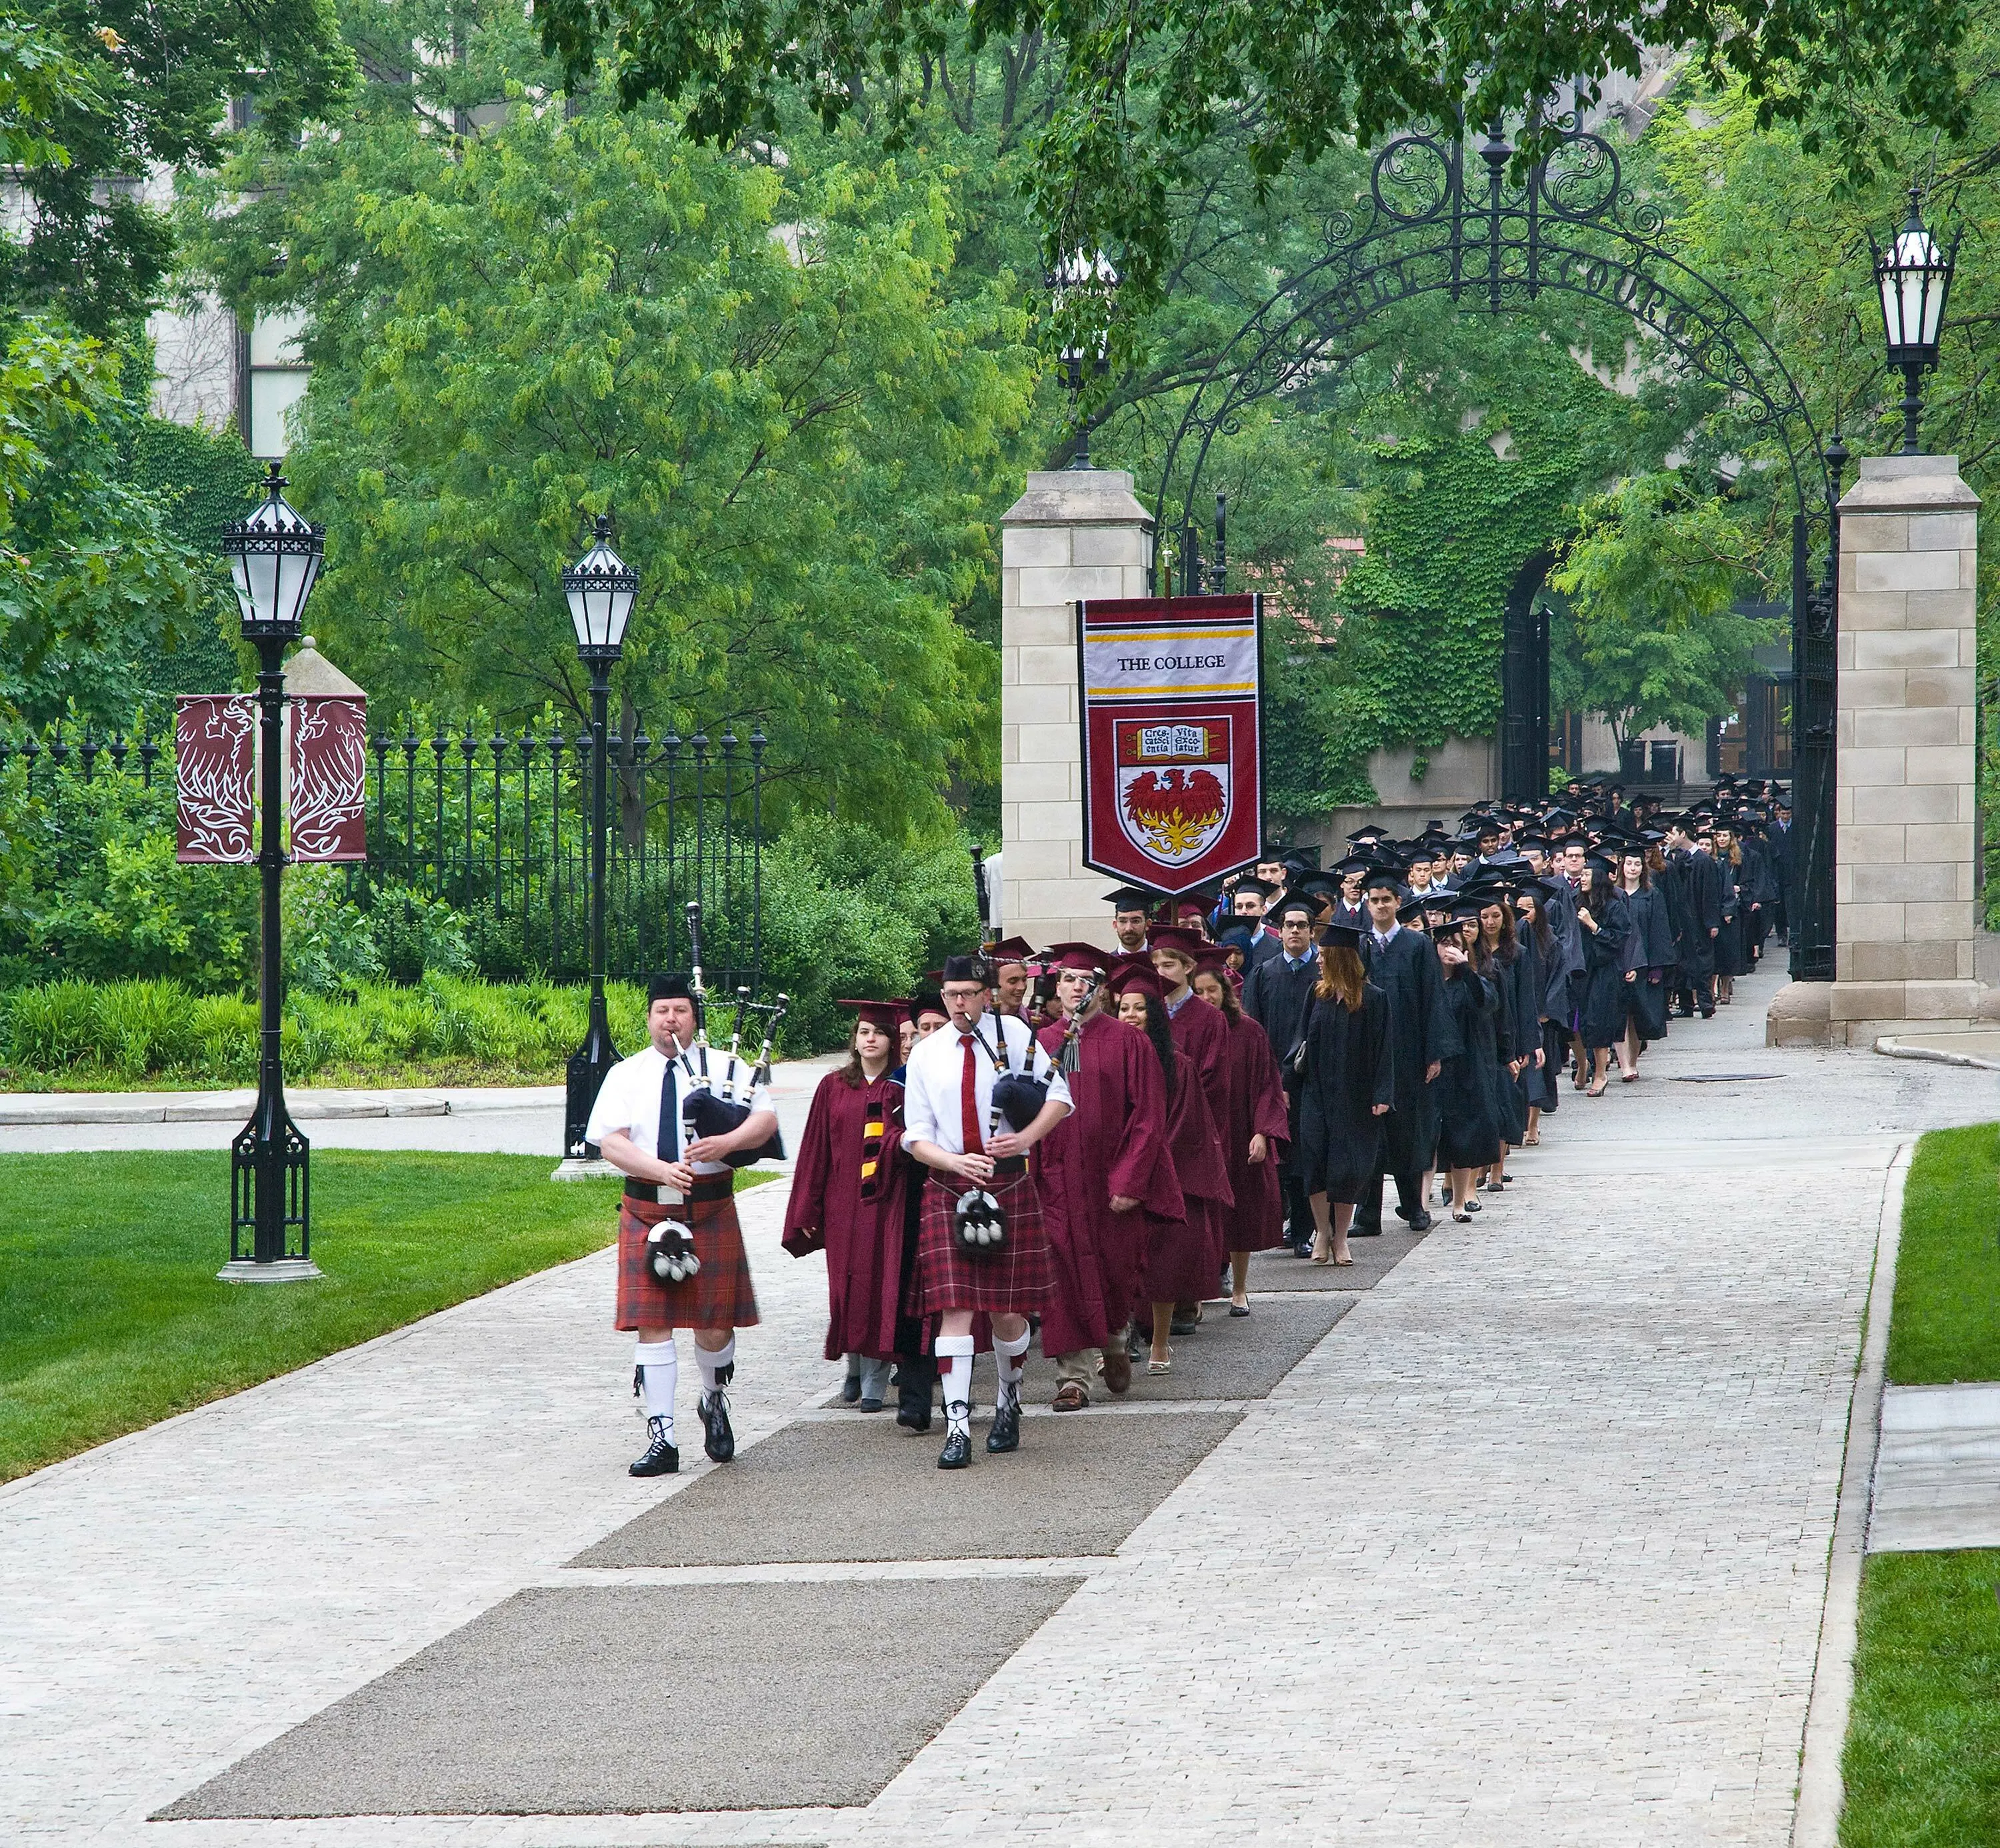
215,778
1170,690
329,769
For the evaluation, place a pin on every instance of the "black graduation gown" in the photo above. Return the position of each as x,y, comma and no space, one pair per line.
1603,1006
1279,999
1468,1130
1651,956
1412,979
1350,1067
1729,957
1528,983
1700,880
1509,1111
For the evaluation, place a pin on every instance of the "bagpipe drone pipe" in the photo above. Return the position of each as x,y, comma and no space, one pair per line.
718,1103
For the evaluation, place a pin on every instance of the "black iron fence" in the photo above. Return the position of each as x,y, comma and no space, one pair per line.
495,825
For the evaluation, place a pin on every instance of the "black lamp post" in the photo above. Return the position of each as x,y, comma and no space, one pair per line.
600,587
275,558
1093,278
1914,277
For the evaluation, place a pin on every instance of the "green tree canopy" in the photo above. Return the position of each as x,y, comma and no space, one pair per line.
763,380
1142,88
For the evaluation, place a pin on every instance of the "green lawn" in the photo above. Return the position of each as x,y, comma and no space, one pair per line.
1922,1760
111,1318
1945,1325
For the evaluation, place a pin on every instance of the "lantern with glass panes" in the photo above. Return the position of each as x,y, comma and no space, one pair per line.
1913,277
1089,284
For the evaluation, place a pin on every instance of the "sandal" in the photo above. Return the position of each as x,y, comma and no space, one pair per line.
1534,1141
1166,1366
1597,1090
1461,1219
1345,1263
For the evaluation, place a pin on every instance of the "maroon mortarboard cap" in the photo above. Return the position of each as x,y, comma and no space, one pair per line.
1083,958
1134,975
1182,942
1009,950
887,1015
1190,908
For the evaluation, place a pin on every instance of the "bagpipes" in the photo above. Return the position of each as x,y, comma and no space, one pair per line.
719,1105
1018,1098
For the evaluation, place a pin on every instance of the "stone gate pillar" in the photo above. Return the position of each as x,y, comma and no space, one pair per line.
1076,532
1905,815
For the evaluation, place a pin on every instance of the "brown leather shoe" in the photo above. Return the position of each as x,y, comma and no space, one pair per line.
1071,1397
1117,1367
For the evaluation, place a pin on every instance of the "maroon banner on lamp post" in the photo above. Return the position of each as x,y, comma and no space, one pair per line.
215,778
1169,693
329,776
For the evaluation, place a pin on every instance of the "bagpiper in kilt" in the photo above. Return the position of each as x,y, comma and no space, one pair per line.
977,1095
681,1261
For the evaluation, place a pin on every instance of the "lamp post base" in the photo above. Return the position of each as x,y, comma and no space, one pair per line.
579,1168
283,1270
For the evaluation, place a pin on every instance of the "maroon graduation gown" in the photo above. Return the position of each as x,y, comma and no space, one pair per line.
1184,1256
1253,1104
1202,1032
1114,1141
863,1239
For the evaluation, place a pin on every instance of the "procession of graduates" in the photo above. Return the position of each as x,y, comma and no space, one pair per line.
1091,1144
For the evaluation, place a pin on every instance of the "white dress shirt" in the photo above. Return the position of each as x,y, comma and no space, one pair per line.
630,1099
932,1081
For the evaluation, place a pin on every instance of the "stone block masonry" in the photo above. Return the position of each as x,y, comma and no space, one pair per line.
1906,924
1076,532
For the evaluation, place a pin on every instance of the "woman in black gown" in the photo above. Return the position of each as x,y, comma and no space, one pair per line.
1601,911
1498,959
1538,947
1349,1084
1649,959
1468,1129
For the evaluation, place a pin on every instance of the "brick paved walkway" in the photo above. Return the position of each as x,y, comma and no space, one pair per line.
1530,1550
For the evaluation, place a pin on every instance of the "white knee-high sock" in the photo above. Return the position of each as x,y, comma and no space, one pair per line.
712,1364
659,1372
1010,1356
954,1357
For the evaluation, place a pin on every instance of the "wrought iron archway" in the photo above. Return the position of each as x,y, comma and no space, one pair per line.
1432,222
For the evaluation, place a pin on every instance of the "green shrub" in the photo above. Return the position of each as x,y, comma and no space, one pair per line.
54,1026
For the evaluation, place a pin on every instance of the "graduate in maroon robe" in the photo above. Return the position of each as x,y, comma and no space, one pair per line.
849,1194
1101,1170
1198,1030
1183,1256
1254,1132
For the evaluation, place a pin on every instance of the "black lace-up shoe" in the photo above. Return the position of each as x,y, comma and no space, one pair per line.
721,1441
661,1459
957,1451
1006,1433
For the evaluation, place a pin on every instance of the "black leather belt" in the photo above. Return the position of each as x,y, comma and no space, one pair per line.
707,1186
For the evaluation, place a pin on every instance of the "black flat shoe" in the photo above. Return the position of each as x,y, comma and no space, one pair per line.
1364,1232
1006,1433
1182,1325
1239,1309
1473,1206
850,1389
1422,1223
871,1404
661,1459
913,1418
720,1442
957,1451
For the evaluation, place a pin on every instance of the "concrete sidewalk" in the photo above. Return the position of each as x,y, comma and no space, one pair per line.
1529,1551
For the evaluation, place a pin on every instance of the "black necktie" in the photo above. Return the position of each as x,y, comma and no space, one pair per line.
664,1145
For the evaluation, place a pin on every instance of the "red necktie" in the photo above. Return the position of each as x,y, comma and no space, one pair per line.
968,1100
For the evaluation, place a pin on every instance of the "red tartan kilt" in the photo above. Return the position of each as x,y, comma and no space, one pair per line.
717,1296
1018,1280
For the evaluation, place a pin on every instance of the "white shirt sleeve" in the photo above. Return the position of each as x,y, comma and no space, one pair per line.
921,1121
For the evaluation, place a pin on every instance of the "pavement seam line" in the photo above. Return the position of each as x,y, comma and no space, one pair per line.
1816,1820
